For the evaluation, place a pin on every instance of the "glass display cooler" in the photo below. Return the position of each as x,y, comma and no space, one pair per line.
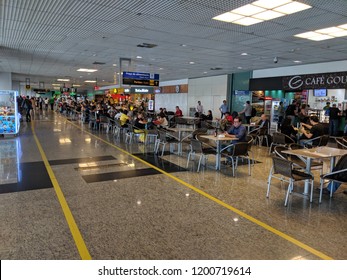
9,115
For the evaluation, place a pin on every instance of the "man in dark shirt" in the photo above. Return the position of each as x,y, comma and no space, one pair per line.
290,112
316,130
334,113
237,130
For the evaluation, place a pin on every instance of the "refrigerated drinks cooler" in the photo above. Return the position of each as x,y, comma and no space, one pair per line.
9,115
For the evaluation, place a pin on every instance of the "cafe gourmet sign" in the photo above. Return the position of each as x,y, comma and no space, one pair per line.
315,81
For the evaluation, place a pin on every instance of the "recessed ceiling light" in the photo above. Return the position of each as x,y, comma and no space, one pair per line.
292,8
320,37
183,45
63,80
239,67
248,10
114,64
307,35
138,56
191,62
160,68
329,30
205,72
56,85
228,17
267,15
270,4
87,70
244,53
90,81
297,61
246,21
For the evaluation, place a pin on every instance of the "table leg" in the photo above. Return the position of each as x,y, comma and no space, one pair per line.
308,170
218,157
332,163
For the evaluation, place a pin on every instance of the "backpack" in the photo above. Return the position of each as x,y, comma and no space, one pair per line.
254,112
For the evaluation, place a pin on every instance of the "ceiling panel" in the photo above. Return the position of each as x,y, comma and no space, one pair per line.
53,37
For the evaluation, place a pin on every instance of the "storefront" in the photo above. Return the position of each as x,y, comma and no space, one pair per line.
312,89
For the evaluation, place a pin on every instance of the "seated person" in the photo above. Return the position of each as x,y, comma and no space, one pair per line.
237,130
227,121
209,116
161,121
316,129
178,112
140,127
124,119
288,129
263,128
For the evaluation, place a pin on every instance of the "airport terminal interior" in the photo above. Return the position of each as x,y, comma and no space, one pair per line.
129,203
77,184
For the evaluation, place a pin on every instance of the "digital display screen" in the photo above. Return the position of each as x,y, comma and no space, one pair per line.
319,92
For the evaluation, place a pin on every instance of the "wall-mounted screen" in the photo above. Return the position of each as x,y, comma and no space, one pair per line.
320,92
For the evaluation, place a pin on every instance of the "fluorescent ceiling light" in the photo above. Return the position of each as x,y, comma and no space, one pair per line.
63,80
297,61
261,10
329,30
76,85
90,81
248,10
292,8
246,21
87,70
320,37
138,56
191,62
114,64
344,26
56,85
270,4
339,34
227,17
244,53
267,15
307,35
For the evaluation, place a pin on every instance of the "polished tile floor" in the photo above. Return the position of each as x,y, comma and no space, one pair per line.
127,203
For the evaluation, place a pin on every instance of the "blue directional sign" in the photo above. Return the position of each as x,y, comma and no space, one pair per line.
138,78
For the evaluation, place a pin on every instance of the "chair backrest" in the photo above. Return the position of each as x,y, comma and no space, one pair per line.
240,149
323,141
341,144
196,146
162,135
278,152
249,139
180,120
340,165
279,138
282,166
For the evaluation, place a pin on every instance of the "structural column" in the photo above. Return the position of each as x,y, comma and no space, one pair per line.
5,81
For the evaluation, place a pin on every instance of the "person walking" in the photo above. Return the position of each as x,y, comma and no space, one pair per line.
247,111
223,108
334,114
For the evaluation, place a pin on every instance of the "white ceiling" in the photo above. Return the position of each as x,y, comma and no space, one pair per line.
50,39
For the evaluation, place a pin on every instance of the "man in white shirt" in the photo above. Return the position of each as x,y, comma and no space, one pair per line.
199,109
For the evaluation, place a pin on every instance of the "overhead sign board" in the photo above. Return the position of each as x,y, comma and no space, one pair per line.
138,78
141,90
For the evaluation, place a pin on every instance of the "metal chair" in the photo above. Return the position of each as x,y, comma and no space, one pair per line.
130,134
196,147
238,150
341,143
317,141
338,175
280,139
163,140
285,168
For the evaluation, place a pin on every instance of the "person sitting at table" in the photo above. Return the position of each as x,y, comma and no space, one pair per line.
178,112
161,121
237,130
209,116
316,129
263,126
140,127
124,119
288,129
227,121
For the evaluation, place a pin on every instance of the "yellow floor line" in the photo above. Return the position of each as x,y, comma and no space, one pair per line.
239,212
76,234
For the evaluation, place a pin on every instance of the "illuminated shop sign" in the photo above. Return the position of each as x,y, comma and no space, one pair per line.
138,78
315,81
141,90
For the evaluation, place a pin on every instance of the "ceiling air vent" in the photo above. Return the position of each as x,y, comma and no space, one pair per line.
99,63
216,68
146,45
